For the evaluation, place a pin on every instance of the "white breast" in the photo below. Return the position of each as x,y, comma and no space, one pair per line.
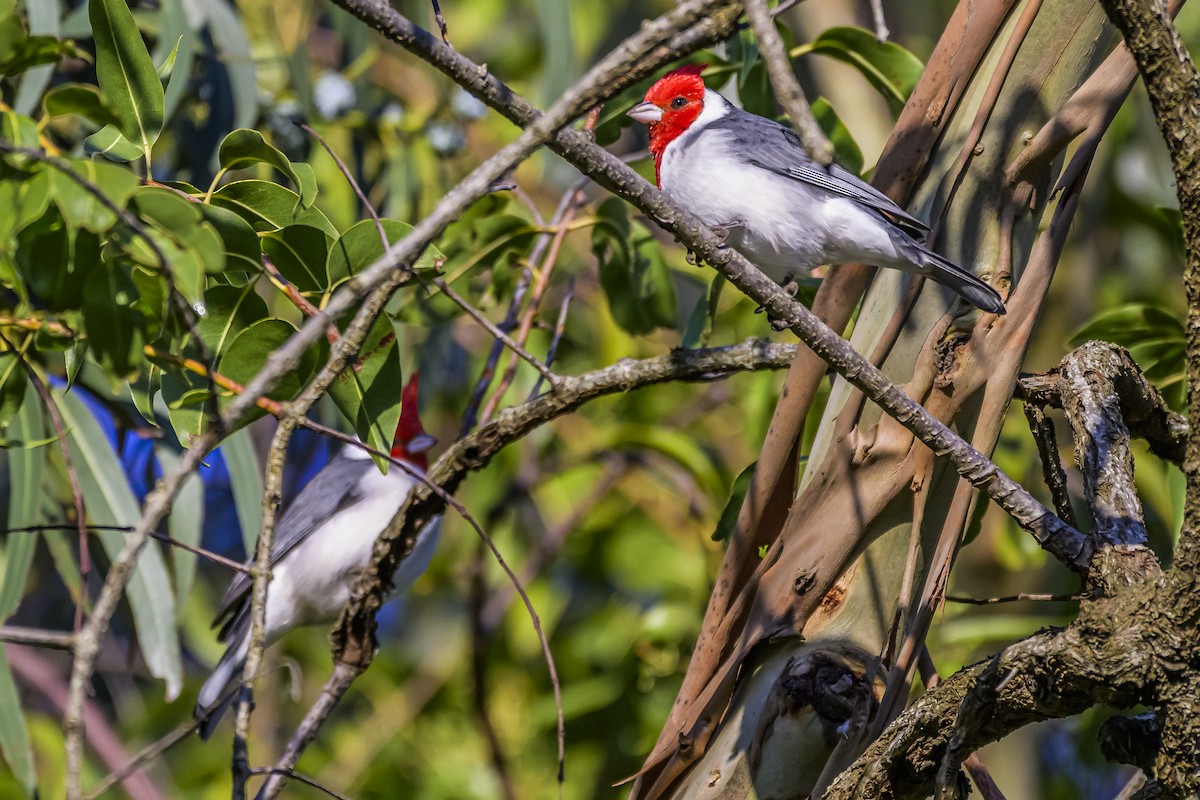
314,581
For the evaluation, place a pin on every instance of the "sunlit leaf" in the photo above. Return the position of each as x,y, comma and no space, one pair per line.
269,206
890,68
110,501
26,468
245,479
81,99
126,74
633,273
184,524
299,252
14,736
248,351
114,326
368,391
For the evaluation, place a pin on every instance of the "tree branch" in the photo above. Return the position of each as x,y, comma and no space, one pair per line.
787,88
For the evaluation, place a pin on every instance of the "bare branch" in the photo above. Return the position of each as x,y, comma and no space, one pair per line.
37,637
496,333
787,88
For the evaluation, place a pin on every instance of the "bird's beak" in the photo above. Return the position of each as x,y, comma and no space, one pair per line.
420,443
646,112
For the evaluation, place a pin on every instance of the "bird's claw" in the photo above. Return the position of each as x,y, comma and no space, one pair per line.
780,325
723,230
691,258
791,286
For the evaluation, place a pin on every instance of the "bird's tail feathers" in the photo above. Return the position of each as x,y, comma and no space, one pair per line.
219,690
964,283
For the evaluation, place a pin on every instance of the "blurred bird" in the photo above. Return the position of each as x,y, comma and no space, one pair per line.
322,544
750,180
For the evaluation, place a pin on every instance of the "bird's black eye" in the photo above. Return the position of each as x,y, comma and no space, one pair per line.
679,102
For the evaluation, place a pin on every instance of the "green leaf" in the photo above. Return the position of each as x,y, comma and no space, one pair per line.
245,478
368,392
79,205
73,359
43,18
269,206
142,390
14,736
13,380
34,50
190,244
185,395
26,468
244,148
110,501
229,310
248,352
633,273
114,327
185,524
81,99
242,250
844,146
300,252
700,322
25,197
113,145
737,495
360,247
126,74
19,130
56,263
890,68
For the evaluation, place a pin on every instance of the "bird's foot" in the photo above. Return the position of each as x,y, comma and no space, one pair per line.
723,231
780,325
791,286
691,258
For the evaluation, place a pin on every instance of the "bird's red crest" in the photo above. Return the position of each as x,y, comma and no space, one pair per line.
409,429
680,95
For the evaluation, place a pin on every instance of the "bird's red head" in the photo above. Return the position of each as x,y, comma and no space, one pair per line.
411,443
672,104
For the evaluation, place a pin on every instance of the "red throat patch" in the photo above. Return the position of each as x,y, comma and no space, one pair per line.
680,95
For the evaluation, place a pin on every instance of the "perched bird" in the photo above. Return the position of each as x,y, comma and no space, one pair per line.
322,543
750,179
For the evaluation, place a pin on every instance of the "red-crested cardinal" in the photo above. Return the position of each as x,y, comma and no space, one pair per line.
322,543
750,179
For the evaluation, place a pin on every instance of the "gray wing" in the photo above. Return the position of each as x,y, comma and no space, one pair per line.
332,489
776,148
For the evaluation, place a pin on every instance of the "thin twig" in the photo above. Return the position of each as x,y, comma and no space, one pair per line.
341,165
974,766
560,325
216,558
880,22
147,754
37,637
479,663
291,773
471,413
1013,598
787,88
500,335
60,436
540,284
1052,470
441,22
